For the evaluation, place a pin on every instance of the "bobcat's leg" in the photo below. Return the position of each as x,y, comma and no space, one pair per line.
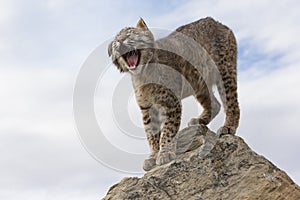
171,123
171,115
227,84
228,93
152,125
210,104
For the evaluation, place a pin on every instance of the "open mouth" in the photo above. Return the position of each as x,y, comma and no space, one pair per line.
132,58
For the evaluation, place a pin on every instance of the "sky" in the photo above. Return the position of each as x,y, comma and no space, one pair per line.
44,47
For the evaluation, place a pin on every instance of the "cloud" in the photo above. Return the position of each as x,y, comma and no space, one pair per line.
6,12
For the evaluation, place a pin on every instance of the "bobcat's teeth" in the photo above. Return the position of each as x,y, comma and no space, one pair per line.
132,67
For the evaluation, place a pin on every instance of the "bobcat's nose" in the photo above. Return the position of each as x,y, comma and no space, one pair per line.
123,49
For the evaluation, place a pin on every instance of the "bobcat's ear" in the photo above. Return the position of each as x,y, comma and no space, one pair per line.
109,49
141,24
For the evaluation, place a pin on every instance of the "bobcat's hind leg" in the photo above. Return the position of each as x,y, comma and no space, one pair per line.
228,94
227,84
210,104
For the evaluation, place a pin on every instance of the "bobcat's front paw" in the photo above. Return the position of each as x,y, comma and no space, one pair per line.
226,130
165,157
149,164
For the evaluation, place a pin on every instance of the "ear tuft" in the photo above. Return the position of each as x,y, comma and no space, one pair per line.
141,24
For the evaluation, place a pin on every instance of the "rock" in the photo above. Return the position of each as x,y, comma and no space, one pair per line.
208,167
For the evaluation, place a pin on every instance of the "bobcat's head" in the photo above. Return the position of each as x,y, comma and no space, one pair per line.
132,48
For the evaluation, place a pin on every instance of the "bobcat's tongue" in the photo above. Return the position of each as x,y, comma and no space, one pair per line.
132,59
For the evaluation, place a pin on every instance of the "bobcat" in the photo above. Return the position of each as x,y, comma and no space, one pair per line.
187,62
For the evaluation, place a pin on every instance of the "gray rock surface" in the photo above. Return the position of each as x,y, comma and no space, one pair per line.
209,167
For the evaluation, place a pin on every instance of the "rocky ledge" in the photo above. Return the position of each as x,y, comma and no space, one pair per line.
209,167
